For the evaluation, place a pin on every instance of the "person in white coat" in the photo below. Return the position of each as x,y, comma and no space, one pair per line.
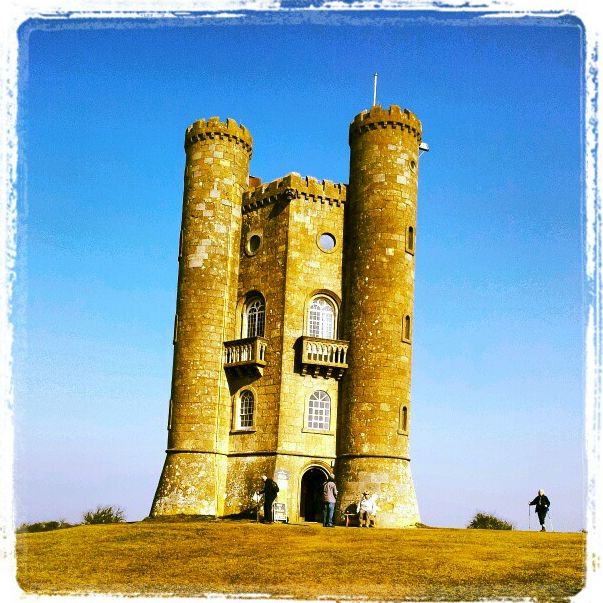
366,509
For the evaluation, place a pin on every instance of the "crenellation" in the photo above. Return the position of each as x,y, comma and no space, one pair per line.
214,129
393,117
295,186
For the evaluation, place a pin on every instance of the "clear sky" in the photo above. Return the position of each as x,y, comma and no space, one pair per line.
499,309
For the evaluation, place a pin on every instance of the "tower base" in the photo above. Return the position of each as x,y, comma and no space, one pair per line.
189,484
389,478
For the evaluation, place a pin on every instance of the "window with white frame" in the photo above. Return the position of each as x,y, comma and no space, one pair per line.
246,410
255,317
321,318
319,411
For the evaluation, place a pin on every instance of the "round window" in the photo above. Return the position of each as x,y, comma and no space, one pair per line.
254,242
326,241
413,165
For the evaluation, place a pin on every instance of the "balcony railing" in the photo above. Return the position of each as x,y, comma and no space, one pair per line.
326,357
245,355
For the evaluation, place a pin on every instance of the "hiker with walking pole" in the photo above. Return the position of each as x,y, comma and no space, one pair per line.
542,504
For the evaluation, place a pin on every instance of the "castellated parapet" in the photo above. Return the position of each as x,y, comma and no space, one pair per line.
295,186
293,327
213,128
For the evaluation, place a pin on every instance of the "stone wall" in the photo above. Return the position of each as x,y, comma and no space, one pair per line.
315,209
287,269
262,271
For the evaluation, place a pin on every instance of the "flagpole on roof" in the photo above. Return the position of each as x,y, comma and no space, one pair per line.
375,89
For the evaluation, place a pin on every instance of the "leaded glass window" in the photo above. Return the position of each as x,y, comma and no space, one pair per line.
319,411
256,316
321,321
246,408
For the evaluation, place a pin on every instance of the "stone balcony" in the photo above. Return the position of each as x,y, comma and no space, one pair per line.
324,357
245,356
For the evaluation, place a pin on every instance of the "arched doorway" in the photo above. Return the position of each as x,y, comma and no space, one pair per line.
310,499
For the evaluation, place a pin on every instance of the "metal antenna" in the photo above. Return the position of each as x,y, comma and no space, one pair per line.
375,89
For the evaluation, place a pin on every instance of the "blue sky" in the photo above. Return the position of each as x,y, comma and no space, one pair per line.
499,308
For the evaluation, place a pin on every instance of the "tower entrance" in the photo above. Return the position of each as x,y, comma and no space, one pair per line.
310,499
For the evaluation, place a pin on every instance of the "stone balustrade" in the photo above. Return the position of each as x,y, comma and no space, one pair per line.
244,354
326,357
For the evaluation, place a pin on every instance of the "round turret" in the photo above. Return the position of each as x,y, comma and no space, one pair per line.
378,300
215,178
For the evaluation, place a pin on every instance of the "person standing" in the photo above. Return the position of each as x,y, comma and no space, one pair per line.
329,498
270,492
542,504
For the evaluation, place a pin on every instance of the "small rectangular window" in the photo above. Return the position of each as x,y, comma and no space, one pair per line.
410,240
406,329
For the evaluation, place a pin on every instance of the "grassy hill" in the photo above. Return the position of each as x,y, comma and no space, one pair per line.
303,561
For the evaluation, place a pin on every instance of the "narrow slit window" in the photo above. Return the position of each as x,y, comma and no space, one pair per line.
404,418
406,328
410,239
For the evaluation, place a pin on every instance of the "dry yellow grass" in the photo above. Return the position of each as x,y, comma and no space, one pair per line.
301,561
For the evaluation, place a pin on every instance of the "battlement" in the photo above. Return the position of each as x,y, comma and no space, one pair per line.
377,117
214,128
294,186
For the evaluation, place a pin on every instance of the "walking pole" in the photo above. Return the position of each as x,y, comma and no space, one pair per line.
551,522
529,520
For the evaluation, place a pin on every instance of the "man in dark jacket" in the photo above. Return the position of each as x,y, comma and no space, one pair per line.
270,491
542,506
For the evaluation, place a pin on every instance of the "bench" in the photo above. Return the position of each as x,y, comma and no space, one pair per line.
353,518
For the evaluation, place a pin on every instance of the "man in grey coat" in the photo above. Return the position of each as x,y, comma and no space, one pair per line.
329,497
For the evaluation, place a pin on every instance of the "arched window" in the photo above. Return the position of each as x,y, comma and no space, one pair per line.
321,318
246,410
255,316
319,411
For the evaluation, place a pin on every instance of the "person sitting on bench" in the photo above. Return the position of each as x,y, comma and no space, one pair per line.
366,509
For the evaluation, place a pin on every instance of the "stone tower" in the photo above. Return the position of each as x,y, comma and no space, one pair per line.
372,443
215,178
293,328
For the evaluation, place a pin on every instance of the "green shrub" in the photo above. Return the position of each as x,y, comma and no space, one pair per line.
43,526
104,515
483,521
